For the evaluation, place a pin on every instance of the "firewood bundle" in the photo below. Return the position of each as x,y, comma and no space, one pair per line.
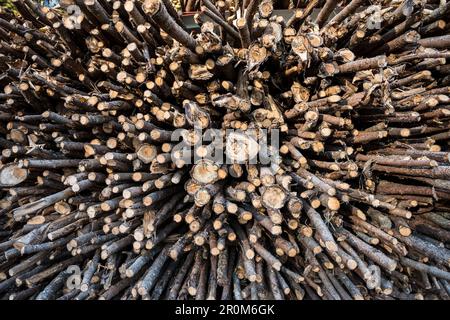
99,201
230,6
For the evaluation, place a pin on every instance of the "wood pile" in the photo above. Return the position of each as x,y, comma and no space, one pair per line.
190,6
98,202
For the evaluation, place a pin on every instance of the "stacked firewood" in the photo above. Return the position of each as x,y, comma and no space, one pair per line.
99,201
232,6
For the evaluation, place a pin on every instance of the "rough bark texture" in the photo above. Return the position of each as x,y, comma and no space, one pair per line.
99,200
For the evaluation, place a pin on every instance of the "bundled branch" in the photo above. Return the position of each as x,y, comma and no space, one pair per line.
109,183
230,8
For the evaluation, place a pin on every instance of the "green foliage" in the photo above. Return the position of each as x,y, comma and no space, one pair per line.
7,4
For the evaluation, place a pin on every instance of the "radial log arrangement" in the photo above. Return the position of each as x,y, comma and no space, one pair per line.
193,5
356,205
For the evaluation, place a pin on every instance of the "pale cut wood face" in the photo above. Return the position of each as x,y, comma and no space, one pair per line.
246,150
